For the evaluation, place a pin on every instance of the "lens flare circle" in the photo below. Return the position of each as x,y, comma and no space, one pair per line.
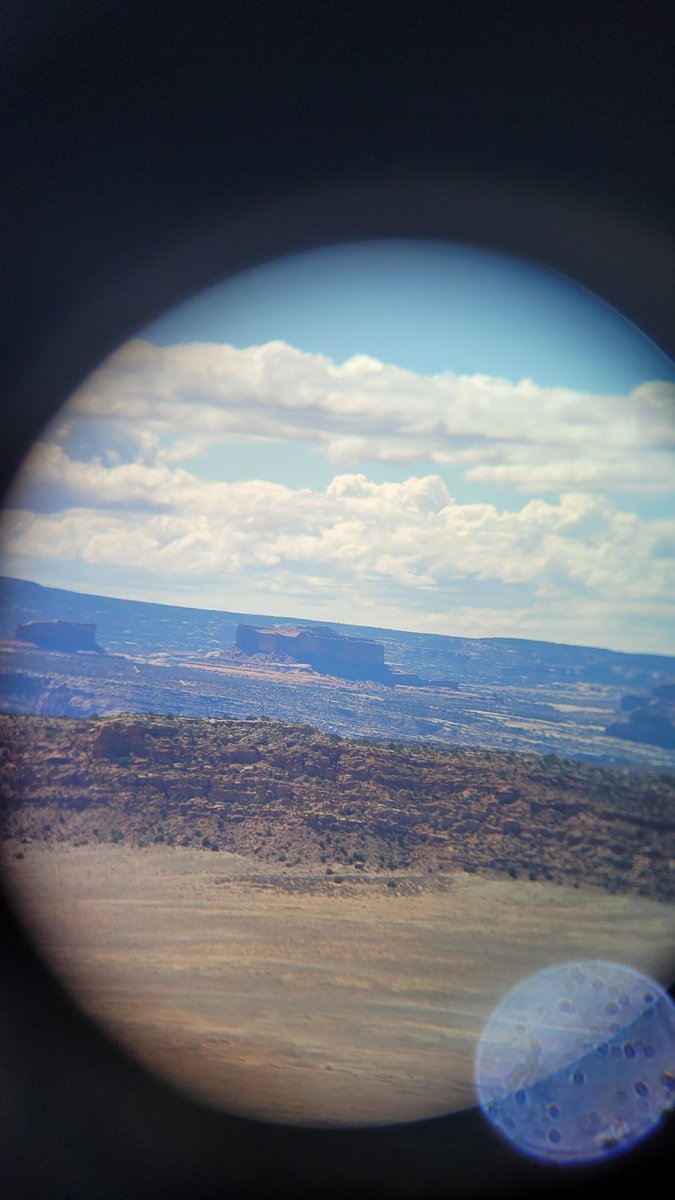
577,1063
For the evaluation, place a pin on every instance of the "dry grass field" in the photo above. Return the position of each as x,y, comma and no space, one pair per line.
261,993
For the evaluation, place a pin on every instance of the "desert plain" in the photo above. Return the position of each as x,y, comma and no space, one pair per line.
257,990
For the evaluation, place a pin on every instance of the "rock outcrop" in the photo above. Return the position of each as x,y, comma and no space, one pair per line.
68,636
319,646
651,719
286,793
328,652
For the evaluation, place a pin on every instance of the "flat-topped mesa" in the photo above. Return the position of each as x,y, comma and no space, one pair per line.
68,636
319,646
651,719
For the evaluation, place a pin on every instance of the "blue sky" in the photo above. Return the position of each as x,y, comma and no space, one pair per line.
430,307
406,434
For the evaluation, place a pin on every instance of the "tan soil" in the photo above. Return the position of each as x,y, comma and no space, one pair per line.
263,995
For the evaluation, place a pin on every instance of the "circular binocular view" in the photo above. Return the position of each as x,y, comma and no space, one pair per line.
337,694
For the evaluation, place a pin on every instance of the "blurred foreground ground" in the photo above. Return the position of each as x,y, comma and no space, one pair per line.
265,996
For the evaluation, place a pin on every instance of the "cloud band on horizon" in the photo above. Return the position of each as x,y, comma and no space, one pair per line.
108,486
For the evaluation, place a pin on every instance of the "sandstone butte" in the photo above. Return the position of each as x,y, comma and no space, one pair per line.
311,644
68,636
352,810
325,650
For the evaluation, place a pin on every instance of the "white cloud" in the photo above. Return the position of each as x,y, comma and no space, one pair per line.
529,437
406,548
106,491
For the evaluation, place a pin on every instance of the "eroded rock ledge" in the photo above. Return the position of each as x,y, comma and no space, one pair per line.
289,793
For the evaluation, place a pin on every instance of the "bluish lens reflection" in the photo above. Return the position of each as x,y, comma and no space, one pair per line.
578,1062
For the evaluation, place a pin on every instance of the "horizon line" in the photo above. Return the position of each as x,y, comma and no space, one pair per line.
344,624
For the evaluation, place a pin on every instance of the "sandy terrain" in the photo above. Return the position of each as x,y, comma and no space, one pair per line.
357,1006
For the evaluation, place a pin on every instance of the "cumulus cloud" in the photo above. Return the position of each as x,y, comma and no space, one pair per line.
107,492
495,430
403,548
